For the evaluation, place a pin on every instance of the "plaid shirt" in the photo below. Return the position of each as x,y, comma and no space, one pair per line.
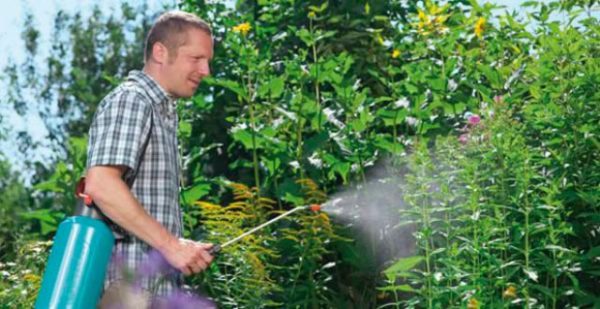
136,126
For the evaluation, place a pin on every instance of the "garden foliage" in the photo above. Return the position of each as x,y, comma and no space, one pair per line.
488,118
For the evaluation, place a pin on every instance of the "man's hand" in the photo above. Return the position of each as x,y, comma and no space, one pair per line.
187,256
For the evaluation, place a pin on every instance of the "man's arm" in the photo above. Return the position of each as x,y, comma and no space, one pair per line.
108,191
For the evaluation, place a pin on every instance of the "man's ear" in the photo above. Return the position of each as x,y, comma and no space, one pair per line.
160,53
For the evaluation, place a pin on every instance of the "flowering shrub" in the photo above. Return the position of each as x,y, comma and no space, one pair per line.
21,277
305,99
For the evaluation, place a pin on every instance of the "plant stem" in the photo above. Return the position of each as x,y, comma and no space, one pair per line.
317,89
254,151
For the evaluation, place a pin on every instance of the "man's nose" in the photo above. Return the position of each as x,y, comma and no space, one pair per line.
204,68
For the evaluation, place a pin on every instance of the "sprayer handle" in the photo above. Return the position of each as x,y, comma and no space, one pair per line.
214,251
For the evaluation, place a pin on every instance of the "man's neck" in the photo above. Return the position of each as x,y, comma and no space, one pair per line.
153,73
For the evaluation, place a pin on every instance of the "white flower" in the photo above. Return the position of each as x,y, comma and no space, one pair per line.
452,85
531,274
412,121
288,114
356,85
238,127
330,114
437,276
314,160
277,122
402,102
547,154
295,164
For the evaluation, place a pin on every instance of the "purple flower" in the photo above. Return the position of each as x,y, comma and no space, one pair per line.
183,300
474,119
153,264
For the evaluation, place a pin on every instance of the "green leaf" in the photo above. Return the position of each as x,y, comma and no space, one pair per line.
493,76
402,265
245,137
273,89
185,129
340,168
306,37
319,9
402,287
227,84
315,142
196,192
386,142
290,191
49,219
391,117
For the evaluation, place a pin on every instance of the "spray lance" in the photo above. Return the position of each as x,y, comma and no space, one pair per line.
74,275
217,248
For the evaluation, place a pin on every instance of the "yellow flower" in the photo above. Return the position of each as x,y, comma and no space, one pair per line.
312,15
395,54
32,278
510,292
242,28
422,16
473,304
479,27
432,20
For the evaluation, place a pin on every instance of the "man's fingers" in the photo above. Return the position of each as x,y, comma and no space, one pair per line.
185,270
205,246
207,257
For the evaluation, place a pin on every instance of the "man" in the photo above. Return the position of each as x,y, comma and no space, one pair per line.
132,169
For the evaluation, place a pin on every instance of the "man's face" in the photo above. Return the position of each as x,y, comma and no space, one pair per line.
184,71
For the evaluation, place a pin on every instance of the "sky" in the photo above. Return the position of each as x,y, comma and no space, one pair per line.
11,21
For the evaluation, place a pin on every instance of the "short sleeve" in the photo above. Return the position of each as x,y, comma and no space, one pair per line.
119,130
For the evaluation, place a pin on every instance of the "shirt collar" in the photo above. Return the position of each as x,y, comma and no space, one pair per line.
156,93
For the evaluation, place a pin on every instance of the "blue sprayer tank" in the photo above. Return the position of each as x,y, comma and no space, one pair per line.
74,275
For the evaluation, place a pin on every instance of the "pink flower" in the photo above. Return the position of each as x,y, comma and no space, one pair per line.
474,119
463,138
498,98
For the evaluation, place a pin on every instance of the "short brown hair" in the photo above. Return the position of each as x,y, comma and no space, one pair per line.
171,29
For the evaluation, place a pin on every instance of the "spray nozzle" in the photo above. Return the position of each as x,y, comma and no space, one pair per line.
315,207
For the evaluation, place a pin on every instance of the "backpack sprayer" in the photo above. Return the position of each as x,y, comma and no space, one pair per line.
76,268
74,275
